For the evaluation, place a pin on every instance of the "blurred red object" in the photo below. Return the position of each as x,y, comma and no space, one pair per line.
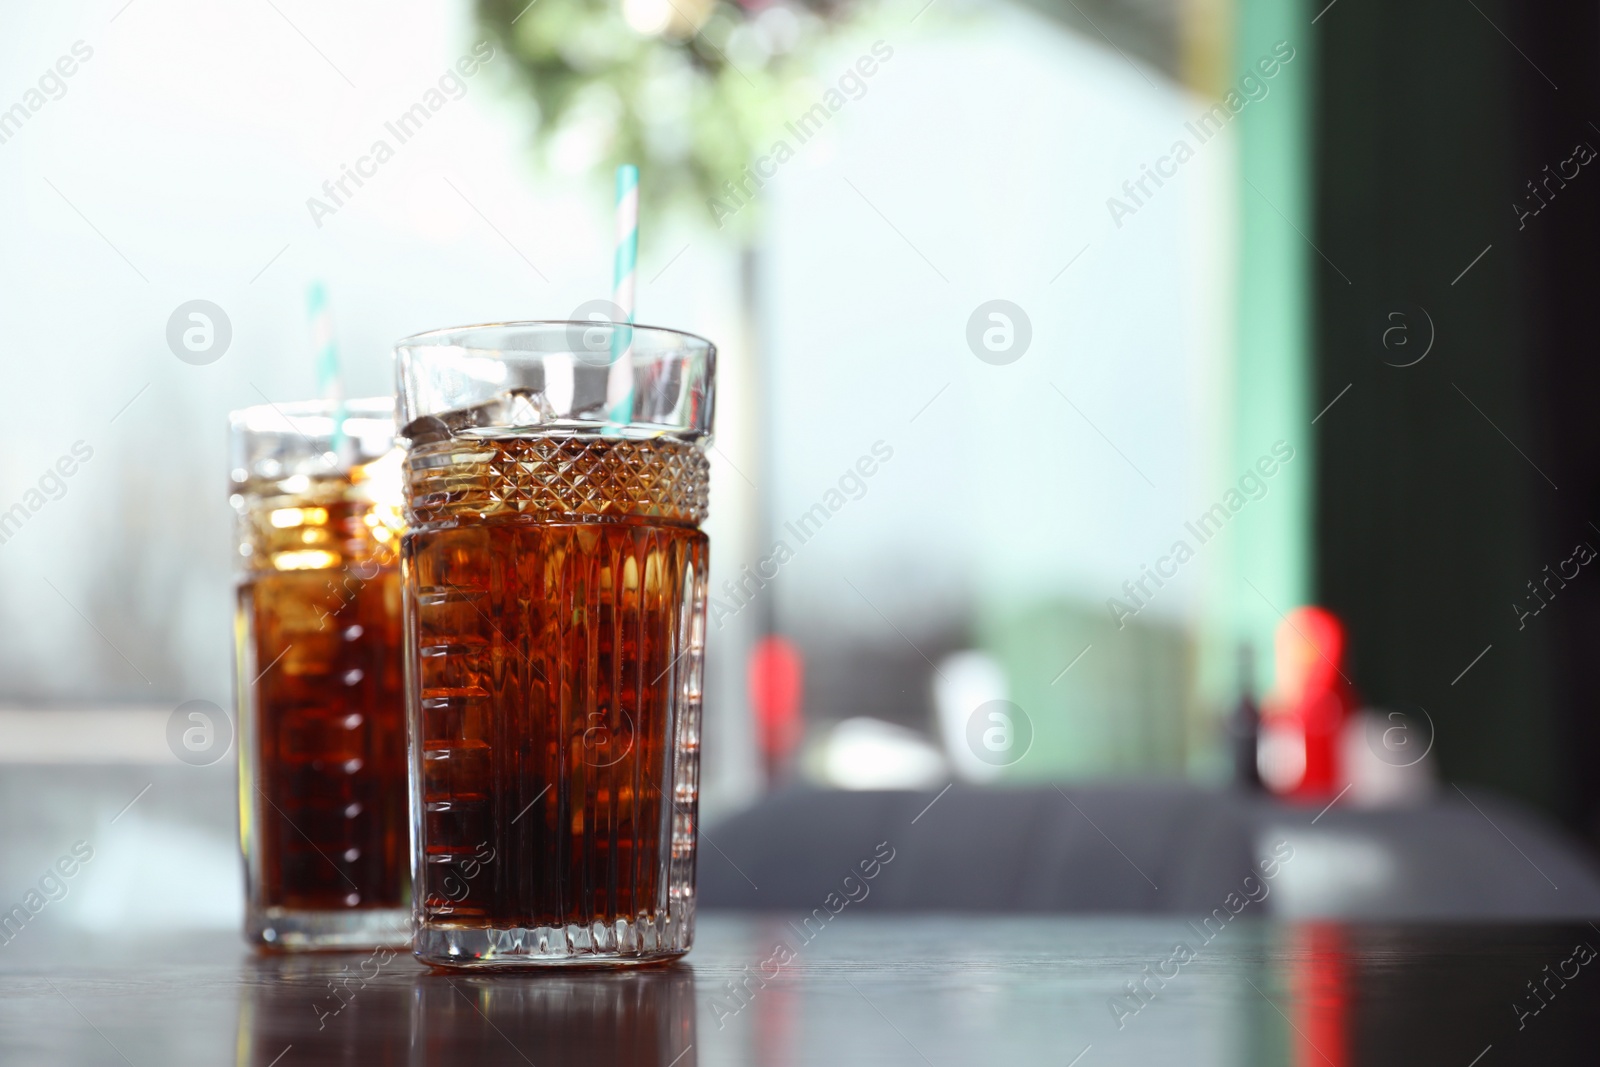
776,690
1303,717
1322,995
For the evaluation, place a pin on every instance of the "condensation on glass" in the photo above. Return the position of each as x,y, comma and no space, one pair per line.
555,585
323,814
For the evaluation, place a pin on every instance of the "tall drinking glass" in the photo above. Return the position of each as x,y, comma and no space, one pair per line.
555,590
322,783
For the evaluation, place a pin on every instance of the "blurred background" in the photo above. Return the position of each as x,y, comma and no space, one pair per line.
1069,349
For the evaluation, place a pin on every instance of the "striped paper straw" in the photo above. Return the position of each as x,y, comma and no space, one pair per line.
326,352
619,386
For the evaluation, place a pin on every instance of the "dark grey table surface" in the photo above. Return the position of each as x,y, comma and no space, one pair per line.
916,990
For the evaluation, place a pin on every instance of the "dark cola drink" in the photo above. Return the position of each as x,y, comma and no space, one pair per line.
324,818
555,583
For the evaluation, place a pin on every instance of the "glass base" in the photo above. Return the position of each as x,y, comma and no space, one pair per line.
292,930
622,943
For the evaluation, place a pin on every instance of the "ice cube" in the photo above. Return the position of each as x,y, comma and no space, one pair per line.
513,409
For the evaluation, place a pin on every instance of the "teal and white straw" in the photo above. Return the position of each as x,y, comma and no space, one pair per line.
330,386
619,387
627,236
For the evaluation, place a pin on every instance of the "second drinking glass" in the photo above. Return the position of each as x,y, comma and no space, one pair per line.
555,585
322,783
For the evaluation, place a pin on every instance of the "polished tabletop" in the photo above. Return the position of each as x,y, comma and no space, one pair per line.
775,990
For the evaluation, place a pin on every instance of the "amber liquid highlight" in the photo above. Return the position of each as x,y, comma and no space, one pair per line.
557,647
328,797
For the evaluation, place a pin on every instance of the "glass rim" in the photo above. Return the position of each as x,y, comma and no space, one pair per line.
276,418
457,336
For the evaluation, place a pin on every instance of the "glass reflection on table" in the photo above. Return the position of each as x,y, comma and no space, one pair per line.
360,1009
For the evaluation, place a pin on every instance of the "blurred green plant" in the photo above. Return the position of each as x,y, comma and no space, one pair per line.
689,90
